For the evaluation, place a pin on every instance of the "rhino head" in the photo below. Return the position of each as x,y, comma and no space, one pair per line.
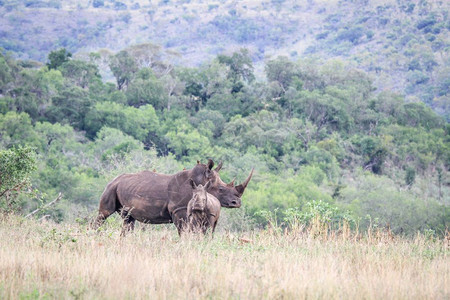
229,195
199,198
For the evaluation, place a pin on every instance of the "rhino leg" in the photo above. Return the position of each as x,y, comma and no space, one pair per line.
213,223
179,218
101,217
108,205
128,224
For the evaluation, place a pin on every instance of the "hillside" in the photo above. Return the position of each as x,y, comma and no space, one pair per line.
403,45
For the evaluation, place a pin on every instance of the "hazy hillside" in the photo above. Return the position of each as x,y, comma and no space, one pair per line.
403,44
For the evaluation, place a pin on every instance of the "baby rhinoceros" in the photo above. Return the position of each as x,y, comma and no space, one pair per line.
203,209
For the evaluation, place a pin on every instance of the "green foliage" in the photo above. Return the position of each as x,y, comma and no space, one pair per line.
16,129
79,72
124,68
137,122
16,166
280,70
380,199
283,193
241,68
352,35
320,211
410,176
98,3
58,57
147,89
70,106
321,139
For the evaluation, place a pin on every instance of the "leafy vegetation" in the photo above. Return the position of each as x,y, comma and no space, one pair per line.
318,133
402,44
16,165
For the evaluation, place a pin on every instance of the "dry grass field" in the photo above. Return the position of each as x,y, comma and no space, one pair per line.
43,260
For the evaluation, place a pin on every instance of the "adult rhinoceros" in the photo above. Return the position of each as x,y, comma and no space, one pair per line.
154,198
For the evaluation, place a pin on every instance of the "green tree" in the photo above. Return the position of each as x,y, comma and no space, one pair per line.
124,68
6,76
80,73
16,166
147,89
57,57
16,129
241,68
137,122
410,176
280,70
70,106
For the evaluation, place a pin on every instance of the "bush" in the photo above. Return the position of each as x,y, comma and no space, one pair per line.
425,23
120,6
16,166
373,197
98,3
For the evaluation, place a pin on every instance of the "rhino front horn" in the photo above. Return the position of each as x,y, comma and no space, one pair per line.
241,188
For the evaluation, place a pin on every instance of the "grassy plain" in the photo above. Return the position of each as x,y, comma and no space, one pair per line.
43,260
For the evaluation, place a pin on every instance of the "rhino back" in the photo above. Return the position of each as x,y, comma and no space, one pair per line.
145,195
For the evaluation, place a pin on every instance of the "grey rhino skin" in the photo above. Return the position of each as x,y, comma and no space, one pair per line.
203,210
154,198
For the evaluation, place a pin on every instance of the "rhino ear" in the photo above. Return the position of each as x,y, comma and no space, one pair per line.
210,164
208,184
198,162
193,185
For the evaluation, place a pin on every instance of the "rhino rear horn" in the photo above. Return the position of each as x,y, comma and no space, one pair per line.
219,166
241,188
232,182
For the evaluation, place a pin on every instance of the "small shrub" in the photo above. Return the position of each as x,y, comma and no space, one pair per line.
120,6
98,3
352,34
426,23
16,165
410,176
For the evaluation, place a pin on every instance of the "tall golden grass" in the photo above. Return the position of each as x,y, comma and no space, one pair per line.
40,260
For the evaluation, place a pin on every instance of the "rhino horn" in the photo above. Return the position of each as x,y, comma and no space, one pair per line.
232,182
219,166
241,188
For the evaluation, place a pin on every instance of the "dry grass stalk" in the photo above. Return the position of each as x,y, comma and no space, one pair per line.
39,260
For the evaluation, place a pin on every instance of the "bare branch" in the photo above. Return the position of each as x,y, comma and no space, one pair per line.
45,206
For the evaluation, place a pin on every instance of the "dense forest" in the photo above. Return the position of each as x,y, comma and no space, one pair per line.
320,136
402,44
